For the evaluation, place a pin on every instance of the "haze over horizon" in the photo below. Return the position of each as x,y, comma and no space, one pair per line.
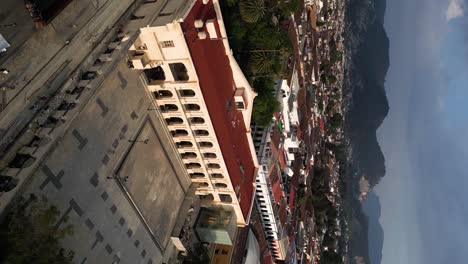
423,192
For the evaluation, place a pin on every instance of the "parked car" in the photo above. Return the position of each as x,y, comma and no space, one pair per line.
64,106
7,183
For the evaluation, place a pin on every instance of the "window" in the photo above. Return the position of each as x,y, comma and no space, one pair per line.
155,74
169,108
206,144
186,93
193,165
196,120
188,155
225,198
201,132
191,107
184,144
213,166
209,155
196,175
174,121
220,185
224,252
179,133
217,175
167,44
162,94
240,106
179,71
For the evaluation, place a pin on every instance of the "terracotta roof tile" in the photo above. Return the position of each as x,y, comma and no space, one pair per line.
217,84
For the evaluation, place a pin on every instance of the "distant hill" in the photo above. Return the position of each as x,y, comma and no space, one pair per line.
369,104
371,207
367,48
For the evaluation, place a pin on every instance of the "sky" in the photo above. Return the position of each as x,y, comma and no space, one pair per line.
424,194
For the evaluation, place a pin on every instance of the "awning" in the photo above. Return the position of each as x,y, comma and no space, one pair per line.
3,44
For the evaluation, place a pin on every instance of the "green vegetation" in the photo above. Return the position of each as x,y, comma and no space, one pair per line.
320,23
252,11
261,47
336,121
30,234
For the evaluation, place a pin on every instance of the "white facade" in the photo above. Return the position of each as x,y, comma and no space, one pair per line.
161,52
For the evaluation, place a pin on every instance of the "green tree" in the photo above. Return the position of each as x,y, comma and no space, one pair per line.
335,55
252,11
320,23
263,62
263,109
330,257
232,3
336,121
331,78
33,236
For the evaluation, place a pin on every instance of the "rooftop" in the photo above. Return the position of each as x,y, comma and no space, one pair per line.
212,63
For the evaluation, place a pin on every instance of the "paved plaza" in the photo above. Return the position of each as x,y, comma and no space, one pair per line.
96,146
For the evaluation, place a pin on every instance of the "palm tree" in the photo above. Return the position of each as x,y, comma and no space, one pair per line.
262,62
252,10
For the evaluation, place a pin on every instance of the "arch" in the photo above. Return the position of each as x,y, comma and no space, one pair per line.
188,155
220,185
209,155
217,176
186,93
196,120
213,166
179,71
179,133
155,74
174,120
201,132
159,94
184,144
207,197
196,175
193,165
225,198
192,107
202,184
205,144
169,108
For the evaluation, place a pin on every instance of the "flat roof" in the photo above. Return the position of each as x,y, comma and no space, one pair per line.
215,75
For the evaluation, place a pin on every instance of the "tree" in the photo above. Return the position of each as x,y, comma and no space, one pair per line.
330,257
336,121
264,62
335,55
263,109
320,23
33,236
331,78
252,11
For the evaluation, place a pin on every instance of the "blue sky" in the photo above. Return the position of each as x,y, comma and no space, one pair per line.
424,195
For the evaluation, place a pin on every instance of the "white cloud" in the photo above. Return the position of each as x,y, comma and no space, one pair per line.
455,9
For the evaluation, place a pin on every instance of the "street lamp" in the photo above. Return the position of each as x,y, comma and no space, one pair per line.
145,141
9,25
154,109
124,179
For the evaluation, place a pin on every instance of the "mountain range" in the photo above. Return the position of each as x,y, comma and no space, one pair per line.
367,65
